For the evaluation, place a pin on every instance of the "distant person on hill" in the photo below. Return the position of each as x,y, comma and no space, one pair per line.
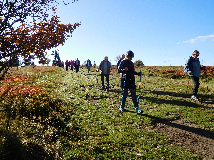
193,68
77,65
67,64
105,69
126,67
118,63
88,65
72,64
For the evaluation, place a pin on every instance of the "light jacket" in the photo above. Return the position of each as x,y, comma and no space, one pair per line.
101,66
194,66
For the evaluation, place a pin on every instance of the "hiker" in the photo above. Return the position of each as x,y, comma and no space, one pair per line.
118,63
88,65
67,64
126,67
76,65
72,64
105,69
193,68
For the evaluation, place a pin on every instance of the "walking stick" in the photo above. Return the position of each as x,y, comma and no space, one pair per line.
139,88
187,85
206,77
121,107
112,81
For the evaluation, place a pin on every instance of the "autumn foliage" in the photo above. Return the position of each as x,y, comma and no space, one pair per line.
38,38
29,40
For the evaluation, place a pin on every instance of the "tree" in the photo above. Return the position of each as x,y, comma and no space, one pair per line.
18,37
138,63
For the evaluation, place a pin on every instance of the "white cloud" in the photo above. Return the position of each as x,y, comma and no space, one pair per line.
199,38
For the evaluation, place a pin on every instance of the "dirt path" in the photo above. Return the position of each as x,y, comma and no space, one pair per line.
189,136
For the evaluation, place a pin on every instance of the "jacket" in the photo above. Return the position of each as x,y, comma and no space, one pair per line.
130,78
101,66
75,63
194,66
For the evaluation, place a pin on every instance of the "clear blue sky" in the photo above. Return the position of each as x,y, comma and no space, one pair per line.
159,32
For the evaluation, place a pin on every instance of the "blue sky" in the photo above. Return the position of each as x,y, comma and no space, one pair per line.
159,32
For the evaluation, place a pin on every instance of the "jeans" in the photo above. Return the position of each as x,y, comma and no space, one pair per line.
196,85
133,94
107,80
77,68
88,67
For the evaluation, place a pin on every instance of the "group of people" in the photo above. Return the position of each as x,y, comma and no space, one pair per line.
127,72
127,76
127,79
76,64
72,64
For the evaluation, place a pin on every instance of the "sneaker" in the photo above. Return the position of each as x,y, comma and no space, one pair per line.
195,98
122,108
137,110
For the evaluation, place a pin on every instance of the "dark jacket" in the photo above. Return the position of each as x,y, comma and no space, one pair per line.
75,63
89,63
130,78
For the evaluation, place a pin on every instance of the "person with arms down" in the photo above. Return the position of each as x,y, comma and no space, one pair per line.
88,65
105,69
193,68
119,61
126,67
77,65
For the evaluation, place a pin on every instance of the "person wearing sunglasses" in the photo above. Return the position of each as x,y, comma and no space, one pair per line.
193,68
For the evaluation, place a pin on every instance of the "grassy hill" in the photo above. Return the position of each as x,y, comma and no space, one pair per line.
48,113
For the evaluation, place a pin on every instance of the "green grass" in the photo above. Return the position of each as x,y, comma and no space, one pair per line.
84,121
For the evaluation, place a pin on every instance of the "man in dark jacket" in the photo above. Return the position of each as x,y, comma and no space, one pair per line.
127,78
77,65
88,65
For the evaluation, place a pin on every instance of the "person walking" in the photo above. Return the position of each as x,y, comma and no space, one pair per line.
105,69
118,63
67,64
127,80
193,68
88,65
76,65
72,64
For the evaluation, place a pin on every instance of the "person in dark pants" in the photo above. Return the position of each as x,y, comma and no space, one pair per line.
193,68
76,65
126,68
105,69
118,63
72,64
88,65
67,64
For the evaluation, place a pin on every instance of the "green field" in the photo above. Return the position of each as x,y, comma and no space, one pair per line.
48,113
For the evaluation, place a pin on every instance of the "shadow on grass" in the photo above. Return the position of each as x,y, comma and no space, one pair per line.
13,149
169,122
176,102
204,98
199,131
